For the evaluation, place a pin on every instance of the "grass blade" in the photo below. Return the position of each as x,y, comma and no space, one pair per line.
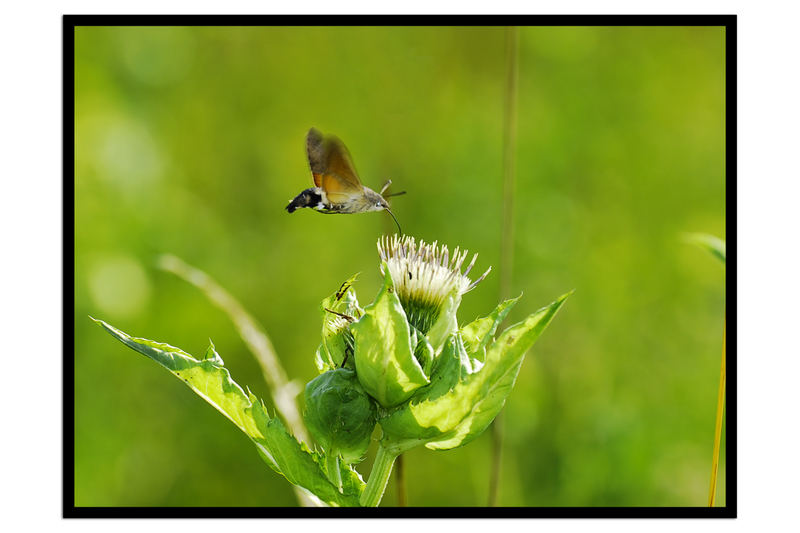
715,245
718,429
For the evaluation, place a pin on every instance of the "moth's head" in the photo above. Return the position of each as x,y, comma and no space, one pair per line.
375,202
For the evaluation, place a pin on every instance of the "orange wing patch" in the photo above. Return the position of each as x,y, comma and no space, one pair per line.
331,165
336,189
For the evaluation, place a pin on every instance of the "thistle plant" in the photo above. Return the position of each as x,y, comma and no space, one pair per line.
402,363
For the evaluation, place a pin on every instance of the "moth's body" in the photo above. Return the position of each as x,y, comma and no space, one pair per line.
317,199
337,188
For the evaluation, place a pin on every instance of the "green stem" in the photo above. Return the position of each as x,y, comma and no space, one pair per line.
378,478
334,473
497,452
400,480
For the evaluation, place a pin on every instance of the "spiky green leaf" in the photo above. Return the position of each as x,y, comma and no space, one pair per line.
479,332
280,450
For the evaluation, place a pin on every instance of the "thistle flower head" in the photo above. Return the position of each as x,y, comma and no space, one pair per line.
424,275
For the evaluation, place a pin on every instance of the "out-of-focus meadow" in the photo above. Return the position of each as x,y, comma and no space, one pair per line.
190,141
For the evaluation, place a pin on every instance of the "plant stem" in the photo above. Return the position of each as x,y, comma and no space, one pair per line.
718,430
509,145
497,453
378,478
334,473
507,243
400,480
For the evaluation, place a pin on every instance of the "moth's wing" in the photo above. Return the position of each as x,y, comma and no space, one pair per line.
332,167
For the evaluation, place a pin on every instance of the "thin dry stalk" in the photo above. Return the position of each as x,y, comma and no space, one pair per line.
507,243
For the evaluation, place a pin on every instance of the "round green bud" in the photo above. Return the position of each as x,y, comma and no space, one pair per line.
340,414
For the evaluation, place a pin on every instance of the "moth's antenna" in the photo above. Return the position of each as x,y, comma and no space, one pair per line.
394,194
386,186
395,221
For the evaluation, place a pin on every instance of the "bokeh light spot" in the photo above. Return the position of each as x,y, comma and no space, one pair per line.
118,286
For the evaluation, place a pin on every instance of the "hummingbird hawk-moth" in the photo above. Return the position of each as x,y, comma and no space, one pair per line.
337,188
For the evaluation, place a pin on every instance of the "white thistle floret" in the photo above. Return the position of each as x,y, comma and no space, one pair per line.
337,323
425,275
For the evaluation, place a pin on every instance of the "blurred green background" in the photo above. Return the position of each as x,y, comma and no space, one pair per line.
191,141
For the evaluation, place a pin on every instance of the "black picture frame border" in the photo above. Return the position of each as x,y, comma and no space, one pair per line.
69,22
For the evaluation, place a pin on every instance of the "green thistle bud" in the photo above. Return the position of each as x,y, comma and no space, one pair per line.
340,414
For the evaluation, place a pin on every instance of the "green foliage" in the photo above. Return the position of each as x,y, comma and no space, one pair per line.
211,381
453,407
